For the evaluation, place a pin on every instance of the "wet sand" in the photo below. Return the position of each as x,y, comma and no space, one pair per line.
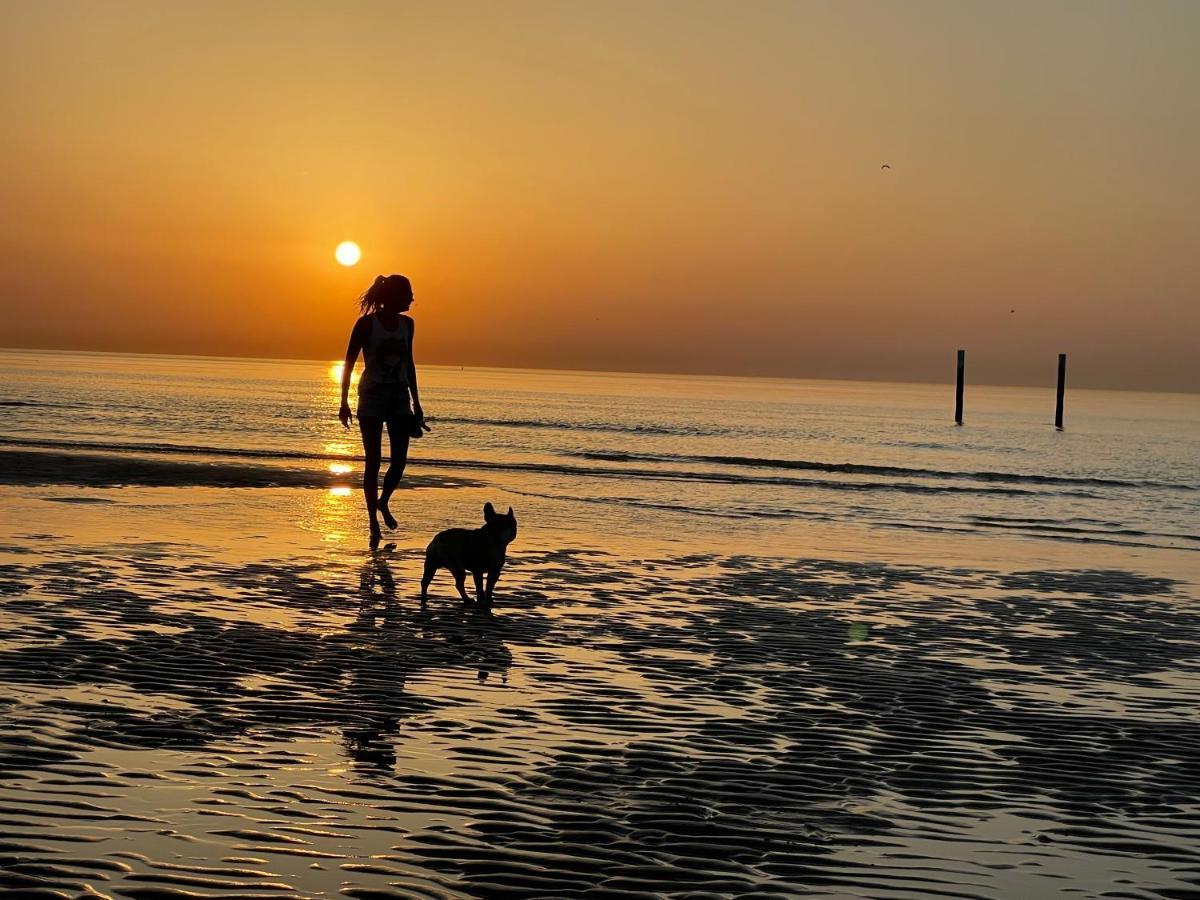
243,707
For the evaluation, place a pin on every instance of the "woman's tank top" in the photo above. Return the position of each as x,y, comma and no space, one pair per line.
386,355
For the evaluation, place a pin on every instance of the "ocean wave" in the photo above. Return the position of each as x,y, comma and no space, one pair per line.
49,467
172,449
1107,528
862,469
1130,538
1090,538
130,462
606,456
691,430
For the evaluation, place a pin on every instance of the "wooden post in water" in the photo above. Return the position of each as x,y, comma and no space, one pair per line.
958,390
1062,383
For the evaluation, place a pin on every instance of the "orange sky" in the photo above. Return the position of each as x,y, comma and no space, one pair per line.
661,187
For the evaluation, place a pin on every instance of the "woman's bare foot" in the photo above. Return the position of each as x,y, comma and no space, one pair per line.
375,535
388,519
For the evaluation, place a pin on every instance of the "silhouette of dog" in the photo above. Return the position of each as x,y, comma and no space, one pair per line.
479,551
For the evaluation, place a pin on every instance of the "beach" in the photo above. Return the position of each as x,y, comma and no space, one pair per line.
700,678
806,394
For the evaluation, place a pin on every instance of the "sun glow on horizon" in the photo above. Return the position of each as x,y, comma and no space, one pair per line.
347,253
335,373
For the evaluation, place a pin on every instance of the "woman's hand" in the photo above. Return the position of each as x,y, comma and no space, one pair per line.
344,414
419,426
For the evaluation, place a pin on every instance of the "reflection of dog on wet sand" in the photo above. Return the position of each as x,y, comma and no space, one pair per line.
478,551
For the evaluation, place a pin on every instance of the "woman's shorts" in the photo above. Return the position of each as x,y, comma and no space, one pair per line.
388,402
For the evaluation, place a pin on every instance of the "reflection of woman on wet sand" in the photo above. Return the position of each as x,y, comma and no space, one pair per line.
389,377
386,646
374,698
376,586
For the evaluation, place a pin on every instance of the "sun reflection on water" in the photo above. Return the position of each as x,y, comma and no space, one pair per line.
332,513
335,373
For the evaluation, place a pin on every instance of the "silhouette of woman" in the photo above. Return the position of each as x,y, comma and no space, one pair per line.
385,338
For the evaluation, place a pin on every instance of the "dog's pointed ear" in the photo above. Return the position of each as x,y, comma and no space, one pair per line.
488,512
510,514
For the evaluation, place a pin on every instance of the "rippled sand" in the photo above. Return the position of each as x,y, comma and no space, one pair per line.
180,720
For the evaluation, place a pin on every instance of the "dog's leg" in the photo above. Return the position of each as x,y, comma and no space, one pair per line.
478,586
460,577
492,576
430,570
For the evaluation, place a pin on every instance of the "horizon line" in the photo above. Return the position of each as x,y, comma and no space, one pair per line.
730,375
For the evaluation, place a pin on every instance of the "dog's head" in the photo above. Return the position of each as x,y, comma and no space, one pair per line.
502,525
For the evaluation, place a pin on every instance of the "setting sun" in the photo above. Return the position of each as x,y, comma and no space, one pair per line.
347,253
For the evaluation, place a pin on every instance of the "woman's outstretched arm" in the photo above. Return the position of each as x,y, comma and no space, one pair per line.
352,351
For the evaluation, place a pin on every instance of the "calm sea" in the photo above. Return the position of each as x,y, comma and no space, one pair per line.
670,455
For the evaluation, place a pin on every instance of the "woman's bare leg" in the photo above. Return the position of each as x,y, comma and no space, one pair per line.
398,437
372,439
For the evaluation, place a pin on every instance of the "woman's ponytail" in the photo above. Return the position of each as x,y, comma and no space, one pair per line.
373,297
